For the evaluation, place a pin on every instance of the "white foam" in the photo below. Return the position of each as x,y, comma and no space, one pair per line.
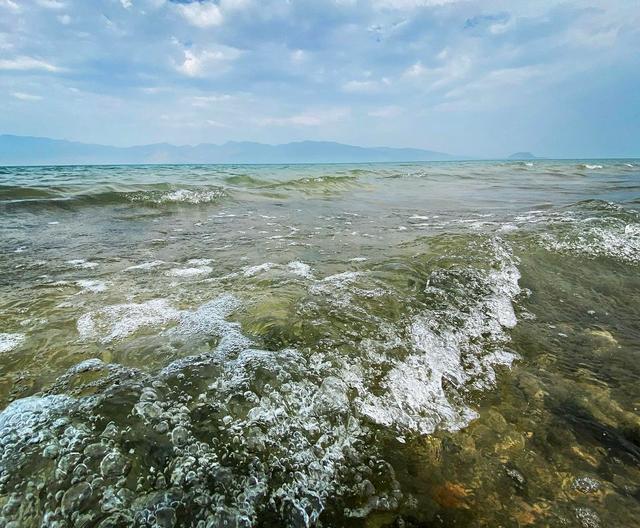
21,418
94,286
342,279
414,396
189,272
255,270
10,341
145,265
306,413
121,320
300,268
617,240
82,263
185,196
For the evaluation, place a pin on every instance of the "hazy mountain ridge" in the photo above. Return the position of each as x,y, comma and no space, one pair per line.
28,150
523,156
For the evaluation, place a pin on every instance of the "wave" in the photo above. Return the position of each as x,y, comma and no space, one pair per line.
263,431
76,196
162,194
590,228
310,185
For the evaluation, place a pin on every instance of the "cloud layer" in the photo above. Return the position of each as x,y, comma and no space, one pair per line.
480,78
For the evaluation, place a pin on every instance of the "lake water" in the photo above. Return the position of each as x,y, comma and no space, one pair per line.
383,345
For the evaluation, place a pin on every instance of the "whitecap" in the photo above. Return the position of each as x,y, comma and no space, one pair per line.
300,268
94,286
254,270
190,272
199,261
414,396
186,196
10,341
145,265
121,320
82,263
616,240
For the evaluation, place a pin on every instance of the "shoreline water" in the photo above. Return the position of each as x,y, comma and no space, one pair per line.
442,344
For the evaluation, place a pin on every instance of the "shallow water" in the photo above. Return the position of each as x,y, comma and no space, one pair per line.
434,344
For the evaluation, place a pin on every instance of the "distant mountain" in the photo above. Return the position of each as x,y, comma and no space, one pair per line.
523,156
26,150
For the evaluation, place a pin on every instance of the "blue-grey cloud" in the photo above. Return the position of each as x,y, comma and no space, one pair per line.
463,76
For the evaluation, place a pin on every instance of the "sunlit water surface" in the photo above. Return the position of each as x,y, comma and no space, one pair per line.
386,345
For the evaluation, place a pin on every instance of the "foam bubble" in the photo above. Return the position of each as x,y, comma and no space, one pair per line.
251,271
82,263
462,353
186,196
190,272
94,286
121,320
199,261
617,240
145,265
10,341
300,268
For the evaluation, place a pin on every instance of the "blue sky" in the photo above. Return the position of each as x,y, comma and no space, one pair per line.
482,78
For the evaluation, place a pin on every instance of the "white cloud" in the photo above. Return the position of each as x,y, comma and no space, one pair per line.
201,14
217,124
206,100
127,4
498,84
52,4
27,63
455,69
309,118
298,56
415,70
207,62
366,86
405,5
10,4
64,20
230,5
26,97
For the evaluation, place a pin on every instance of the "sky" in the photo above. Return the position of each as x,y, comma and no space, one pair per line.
477,78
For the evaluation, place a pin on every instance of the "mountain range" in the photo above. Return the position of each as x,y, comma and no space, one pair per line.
28,150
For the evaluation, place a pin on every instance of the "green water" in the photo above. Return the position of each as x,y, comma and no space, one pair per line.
384,345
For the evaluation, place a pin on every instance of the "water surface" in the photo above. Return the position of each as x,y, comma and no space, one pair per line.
384,345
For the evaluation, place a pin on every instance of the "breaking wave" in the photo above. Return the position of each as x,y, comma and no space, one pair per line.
143,194
591,229
243,434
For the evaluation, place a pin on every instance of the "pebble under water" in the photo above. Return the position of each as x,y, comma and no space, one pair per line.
383,345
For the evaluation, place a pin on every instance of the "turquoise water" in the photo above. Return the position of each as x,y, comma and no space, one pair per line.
433,344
